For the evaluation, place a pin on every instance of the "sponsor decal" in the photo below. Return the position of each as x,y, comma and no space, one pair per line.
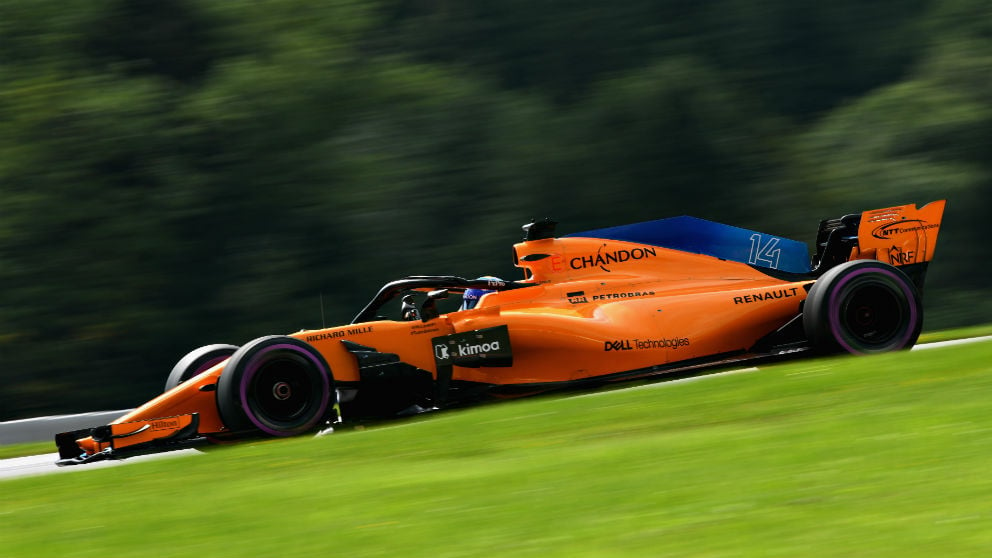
621,345
905,226
444,352
768,295
165,424
613,296
421,329
898,256
337,334
557,262
642,344
323,336
580,297
482,347
577,297
604,260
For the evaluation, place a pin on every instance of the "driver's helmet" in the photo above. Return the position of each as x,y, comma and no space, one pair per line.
471,296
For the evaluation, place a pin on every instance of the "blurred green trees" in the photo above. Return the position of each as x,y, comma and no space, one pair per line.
176,173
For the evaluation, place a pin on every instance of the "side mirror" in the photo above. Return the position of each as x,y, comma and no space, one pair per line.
429,309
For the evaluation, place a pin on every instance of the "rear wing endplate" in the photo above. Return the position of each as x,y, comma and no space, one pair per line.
900,235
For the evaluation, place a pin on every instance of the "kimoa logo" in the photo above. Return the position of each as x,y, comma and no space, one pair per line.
442,352
478,349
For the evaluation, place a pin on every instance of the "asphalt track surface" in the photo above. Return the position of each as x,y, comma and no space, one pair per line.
45,428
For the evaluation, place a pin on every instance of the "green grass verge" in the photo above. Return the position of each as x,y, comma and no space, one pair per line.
959,333
851,456
31,448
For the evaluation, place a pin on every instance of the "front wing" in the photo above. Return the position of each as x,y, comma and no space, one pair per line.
104,442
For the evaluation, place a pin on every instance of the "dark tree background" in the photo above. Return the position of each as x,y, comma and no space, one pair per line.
175,173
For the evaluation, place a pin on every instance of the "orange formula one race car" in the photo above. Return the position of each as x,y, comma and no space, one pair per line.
648,299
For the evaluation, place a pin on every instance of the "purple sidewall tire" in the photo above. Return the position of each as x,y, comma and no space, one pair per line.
863,307
251,372
276,386
834,306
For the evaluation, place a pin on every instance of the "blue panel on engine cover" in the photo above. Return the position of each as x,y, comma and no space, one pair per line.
699,236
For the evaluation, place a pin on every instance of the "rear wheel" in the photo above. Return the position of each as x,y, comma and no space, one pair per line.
197,362
862,307
278,385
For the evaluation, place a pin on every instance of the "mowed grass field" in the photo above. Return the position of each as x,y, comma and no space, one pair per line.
879,456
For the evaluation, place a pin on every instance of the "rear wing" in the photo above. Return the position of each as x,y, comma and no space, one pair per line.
902,236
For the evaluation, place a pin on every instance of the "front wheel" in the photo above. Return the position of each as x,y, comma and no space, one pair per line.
863,307
278,385
197,362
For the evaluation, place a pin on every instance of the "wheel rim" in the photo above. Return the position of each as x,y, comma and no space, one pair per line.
872,312
872,315
284,390
281,390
